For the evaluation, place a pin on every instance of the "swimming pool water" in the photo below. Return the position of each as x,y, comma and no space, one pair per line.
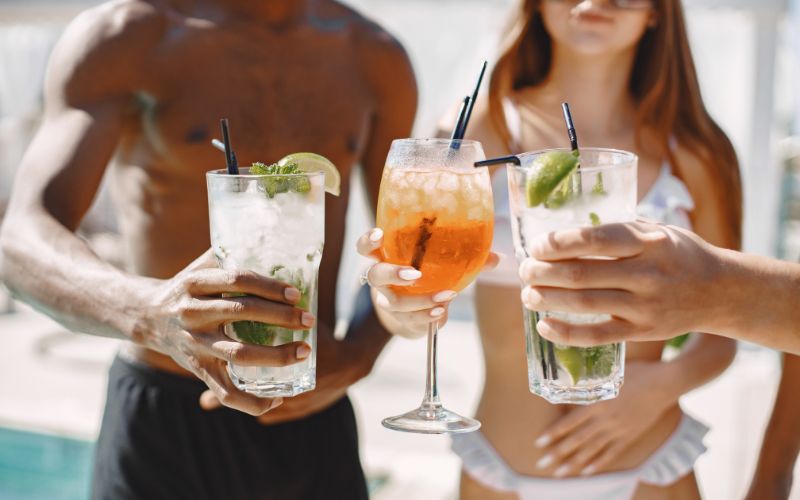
37,466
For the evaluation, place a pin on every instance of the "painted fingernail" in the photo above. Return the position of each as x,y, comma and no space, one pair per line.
302,351
291,294
444,296
437,311
542,441
588,471
376,235
409,274
544,461
307,319
561,471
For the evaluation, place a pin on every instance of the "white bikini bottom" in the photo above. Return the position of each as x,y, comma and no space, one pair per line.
673,460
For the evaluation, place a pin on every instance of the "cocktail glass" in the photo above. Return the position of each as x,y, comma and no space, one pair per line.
436,212
273,225
601,190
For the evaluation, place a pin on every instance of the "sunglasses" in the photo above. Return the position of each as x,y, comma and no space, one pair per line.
617,4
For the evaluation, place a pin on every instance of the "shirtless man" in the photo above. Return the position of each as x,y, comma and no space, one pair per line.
135,90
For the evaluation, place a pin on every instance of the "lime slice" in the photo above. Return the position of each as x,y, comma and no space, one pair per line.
553,167
572,360
312,162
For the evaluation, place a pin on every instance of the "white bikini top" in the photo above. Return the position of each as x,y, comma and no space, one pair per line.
667,201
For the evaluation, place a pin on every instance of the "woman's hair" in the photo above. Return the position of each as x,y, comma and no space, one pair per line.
663,85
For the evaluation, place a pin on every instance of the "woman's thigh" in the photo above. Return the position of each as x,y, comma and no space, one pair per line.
683,489
471,489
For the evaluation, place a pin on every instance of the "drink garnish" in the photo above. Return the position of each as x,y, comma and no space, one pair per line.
312,162
594,218
255,332
425,234
277,183
554,169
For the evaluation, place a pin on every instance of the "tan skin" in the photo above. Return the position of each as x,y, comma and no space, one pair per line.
773,478
590,70
135,90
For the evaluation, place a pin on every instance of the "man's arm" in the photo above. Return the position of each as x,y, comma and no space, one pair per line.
773,477
394,85
664,281
92,72
86,94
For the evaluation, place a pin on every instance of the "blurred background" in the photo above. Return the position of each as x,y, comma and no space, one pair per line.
52,383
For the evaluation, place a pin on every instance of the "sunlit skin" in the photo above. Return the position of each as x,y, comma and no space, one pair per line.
592,56
135,91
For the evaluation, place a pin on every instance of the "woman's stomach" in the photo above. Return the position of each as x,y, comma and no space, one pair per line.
512,417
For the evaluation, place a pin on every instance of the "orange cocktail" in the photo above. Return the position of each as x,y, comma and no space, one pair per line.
438,221
436,212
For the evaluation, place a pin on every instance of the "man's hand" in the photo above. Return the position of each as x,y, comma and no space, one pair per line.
662,282
338,368
589,438
189,311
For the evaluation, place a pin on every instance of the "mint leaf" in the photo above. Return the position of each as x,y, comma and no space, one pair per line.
594,218
293,181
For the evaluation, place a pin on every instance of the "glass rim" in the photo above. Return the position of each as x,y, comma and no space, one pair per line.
436,141
222,173
632,158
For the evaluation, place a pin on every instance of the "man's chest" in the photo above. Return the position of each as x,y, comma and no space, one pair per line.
279,99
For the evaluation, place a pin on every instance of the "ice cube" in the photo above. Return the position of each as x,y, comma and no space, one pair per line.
448,182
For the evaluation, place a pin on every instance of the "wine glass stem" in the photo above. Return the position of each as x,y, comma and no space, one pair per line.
431,399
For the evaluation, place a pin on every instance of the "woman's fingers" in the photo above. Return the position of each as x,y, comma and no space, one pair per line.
370,242
609,240
382,275
577,449
423,317
616,302
581,462
563,426
409,303
576,273
611,453
585,335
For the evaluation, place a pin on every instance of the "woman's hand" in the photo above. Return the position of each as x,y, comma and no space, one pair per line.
655,270
186,321
406,316
589,438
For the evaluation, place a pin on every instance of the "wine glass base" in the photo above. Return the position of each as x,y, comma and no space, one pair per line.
435,420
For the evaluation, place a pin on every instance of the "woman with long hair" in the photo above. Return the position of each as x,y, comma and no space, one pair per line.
626,69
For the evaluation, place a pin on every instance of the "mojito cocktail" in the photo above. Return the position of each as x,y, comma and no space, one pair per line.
437,215
273,224
553,190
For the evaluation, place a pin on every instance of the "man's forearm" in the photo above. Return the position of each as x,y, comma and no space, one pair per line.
46,265
366,334
760,298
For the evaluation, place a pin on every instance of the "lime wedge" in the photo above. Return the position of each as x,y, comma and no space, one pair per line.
553,167
572,360
312,162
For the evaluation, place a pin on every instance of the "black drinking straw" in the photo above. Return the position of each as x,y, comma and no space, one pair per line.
462,114
500,160
461,132
230,156
573,137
